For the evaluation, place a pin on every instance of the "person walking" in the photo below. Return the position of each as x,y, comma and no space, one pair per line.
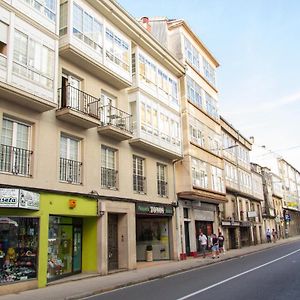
268,235
215,246
203,243
274,235
221,242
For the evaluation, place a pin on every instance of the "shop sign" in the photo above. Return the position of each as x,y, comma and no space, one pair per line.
252,214
202,215
150,209
18,198
245,224
9,198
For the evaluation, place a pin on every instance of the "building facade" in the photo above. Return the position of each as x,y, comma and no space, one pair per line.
90,126
241,218
199,175
291,196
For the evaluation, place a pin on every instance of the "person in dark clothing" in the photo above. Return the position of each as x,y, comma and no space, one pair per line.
221,242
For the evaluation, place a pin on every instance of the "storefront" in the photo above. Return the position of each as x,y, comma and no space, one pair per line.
245,234
19,235
153,227
45,236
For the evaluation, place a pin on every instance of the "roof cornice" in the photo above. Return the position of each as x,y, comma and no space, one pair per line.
177,23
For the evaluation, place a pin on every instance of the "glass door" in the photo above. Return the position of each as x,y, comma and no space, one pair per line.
77,243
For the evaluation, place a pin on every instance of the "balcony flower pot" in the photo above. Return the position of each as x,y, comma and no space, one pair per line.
149,253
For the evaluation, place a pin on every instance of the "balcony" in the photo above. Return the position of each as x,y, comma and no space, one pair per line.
115,123
70,171
139,184
16,161
78,107
109,178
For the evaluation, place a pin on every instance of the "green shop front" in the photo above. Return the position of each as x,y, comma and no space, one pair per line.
153,230
43,237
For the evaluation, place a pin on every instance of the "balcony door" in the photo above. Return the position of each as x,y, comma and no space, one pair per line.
70,92
108,111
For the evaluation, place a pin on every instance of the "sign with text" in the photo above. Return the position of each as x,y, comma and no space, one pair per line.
154,209
19,198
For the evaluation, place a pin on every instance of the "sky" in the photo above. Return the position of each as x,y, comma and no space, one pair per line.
257,44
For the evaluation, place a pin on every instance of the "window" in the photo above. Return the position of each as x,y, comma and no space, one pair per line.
191,54
163,81
173,91
3,43
109,174
199,173
139,180
117,50
87,28
196,131
19,239
33,60
147,71
211,106
70,166
217,179
209,72
45,7
162,183
63,19
194,92
15,156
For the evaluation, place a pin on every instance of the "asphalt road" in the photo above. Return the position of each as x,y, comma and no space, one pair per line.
271,274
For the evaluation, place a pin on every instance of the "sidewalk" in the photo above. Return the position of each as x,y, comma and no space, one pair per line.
77,287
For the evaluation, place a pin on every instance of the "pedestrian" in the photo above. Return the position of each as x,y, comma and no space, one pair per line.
268,235
203,243
221,242
274,235
215,246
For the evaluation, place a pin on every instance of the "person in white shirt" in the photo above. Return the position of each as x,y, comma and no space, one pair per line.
203,243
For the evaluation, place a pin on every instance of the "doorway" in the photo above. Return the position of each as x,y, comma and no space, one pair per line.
232,239
113,262
187,238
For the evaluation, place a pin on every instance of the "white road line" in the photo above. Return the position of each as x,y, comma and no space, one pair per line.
235,276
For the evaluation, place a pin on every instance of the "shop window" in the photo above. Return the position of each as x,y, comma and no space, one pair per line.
19,239
64,246
154,232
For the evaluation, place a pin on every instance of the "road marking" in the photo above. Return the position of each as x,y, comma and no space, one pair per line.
236,276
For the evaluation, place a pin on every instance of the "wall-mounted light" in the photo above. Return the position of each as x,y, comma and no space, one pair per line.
72,203
100,209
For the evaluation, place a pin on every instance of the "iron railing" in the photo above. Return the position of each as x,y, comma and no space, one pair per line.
15,160
78,100
162,188
139,184
109,178
70,171
110,115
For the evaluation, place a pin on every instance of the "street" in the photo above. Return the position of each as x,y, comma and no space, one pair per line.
269,274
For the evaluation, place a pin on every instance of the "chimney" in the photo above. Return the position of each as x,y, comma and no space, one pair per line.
145,23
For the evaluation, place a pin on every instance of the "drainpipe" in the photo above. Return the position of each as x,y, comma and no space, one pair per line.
179,242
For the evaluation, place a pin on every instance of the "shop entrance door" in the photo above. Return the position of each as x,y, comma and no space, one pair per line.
77,249
232,241
112,259
187,238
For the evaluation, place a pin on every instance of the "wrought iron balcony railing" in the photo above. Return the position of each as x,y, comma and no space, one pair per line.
110,115
139,184
78,100
109,178
15,160
70,171
162,188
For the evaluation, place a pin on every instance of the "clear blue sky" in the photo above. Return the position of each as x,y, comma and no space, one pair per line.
257,43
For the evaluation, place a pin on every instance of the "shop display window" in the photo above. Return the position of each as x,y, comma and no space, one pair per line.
19,239
64,246
155,232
